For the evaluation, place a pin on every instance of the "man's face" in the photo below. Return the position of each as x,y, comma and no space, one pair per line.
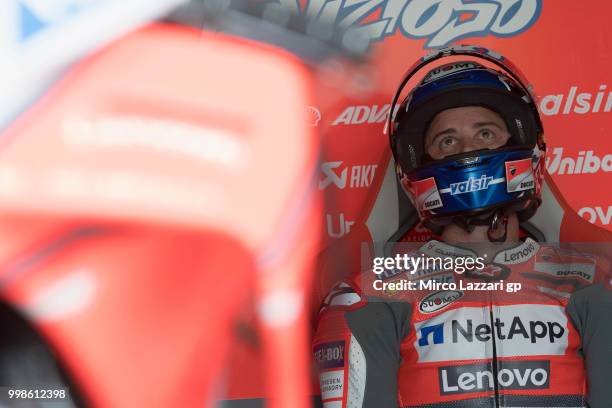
464,129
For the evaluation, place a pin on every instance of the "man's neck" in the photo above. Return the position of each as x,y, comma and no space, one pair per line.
478,239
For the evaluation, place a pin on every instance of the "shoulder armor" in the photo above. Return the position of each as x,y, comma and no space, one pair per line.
342,295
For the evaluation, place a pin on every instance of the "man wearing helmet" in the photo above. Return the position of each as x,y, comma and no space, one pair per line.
469,151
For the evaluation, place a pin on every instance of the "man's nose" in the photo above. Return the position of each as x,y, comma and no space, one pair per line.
467,148
467,145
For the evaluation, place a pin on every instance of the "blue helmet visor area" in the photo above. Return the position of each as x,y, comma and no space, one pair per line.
474,181
473,78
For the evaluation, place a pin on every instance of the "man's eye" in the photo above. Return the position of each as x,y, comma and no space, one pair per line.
487,134
447,142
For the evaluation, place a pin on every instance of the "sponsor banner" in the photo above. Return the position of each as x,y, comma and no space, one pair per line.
550,105
472,184
332,384
330,355
519,254
448,69
584,271
519,330
511,375
342,176
597,214
364,114
577,102
519,175
338,225
437,301
426,193
440,22
314,115
436,248
586,162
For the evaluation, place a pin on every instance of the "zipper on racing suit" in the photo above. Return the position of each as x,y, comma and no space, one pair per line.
494,362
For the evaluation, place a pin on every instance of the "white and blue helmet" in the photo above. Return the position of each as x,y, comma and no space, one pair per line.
476,187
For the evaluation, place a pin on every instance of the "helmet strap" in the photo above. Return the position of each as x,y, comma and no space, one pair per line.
493,220
468,224
497,218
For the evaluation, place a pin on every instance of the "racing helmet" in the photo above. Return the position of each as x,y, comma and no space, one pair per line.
477,187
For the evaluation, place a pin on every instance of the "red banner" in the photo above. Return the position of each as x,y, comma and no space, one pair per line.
561,48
